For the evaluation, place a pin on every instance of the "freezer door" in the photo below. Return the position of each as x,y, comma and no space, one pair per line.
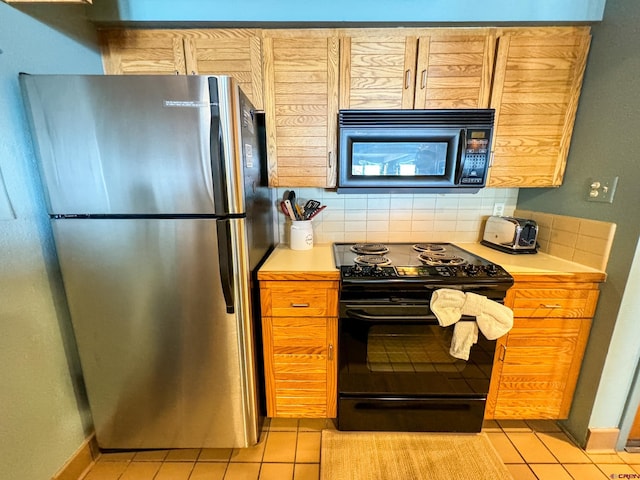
138,145
167,353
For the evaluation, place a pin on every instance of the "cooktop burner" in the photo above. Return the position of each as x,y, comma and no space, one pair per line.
372,260
429,247
369,248
440,258
398,263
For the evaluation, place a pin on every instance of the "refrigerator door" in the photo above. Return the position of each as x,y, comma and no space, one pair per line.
163,329
138,145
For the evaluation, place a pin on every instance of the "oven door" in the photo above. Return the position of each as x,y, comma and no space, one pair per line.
396,373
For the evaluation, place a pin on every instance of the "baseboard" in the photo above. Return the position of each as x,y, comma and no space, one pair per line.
602,439
80,461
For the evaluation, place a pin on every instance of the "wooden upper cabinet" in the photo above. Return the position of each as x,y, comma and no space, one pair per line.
426,68
142,52
377,69
301,106
537,82
234,52
455,69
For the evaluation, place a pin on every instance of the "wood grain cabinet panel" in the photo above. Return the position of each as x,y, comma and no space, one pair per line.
536,87
377,69
233,52
299,330
422,68
537,363
142,52
301,105
454,69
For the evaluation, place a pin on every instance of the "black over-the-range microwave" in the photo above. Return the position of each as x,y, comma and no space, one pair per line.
413,151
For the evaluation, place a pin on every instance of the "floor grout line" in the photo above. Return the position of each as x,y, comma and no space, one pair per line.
267,430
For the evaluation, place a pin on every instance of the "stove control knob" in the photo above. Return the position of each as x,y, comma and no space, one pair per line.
356,269
472,270
491,269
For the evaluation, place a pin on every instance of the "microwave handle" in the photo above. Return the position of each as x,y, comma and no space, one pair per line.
462,146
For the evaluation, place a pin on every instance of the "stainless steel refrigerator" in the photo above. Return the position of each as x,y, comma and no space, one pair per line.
155,187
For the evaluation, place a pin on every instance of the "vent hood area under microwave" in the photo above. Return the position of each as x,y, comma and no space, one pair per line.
414,151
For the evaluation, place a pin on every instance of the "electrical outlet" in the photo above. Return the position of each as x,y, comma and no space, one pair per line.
602,189
498,209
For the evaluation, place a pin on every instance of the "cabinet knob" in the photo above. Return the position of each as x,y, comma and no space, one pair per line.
331,351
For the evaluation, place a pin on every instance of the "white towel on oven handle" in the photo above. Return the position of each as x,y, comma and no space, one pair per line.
465,335
447,304
492,318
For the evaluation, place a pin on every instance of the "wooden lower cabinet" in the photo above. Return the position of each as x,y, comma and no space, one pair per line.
299,331
537,363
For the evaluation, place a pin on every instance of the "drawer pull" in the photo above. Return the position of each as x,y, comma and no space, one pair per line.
550,305
300,305
407,79
503,353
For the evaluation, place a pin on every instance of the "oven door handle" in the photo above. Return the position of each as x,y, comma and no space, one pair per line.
430,319
360,315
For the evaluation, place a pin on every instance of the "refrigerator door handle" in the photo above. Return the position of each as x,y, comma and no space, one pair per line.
216,151
226,263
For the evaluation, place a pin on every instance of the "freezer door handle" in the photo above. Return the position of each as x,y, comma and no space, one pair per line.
216,151
226,263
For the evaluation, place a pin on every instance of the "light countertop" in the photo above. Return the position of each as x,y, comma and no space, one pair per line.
319,261
538,263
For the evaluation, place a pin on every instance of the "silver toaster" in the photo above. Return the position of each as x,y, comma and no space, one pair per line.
511,234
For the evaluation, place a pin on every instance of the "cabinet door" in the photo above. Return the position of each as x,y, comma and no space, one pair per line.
455,68
421,68
537,363
234,52
538,77
301,105
377,69
300,335
142,52
538,373
300,366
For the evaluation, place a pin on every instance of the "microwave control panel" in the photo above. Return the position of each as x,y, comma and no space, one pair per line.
475,159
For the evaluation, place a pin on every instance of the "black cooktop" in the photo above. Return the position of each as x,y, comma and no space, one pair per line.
434,262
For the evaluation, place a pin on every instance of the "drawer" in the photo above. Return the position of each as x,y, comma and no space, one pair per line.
552,302
299,299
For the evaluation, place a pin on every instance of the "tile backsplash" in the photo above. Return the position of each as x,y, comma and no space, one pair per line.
579,240
399,218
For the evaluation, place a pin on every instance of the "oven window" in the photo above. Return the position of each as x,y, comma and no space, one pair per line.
411,349
399,159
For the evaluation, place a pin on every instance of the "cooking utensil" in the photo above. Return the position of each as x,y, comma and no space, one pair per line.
290,210
316,212
283,207
311,205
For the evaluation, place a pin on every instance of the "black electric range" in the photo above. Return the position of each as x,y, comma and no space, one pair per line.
434,263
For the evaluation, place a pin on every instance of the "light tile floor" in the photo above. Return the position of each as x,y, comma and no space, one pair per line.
289,449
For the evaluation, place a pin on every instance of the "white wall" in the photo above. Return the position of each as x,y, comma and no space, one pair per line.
624,353
44,417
